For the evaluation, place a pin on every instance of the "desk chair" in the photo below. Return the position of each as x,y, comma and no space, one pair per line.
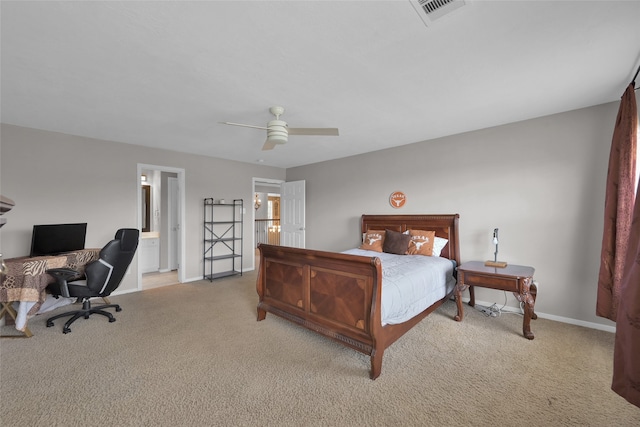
103,276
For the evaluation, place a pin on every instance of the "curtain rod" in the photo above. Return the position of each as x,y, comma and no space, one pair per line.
633,81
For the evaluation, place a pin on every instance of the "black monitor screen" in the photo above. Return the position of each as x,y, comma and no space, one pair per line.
57,238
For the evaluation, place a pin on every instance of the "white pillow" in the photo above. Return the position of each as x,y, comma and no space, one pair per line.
438,244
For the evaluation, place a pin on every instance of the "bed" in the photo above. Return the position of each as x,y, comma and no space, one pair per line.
339,294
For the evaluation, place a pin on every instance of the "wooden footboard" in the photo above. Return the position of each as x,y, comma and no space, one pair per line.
334,294
340,295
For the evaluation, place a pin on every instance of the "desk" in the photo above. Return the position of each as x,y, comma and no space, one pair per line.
26,280
513,278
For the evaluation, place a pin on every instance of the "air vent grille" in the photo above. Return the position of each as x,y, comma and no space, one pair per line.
431,6
430,10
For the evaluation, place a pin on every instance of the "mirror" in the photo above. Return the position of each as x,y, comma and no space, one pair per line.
146,208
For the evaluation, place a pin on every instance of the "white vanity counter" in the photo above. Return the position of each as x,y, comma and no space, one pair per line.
149,252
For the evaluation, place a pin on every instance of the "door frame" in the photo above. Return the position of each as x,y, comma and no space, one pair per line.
181,214
173,244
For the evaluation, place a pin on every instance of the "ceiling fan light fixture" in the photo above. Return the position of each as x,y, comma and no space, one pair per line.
277,132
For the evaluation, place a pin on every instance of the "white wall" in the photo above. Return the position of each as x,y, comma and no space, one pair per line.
58,178
541,182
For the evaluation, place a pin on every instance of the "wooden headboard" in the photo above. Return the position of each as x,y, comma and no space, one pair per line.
445,226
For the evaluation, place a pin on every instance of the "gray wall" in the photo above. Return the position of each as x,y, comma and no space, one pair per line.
58,178
541,182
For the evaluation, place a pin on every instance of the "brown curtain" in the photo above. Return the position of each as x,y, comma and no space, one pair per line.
626,355
619,202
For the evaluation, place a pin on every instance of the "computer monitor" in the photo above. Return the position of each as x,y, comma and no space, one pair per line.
53,239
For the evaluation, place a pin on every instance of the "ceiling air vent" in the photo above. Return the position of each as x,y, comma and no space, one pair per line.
430,10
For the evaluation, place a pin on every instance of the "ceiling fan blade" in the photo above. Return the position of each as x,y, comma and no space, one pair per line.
268,145
313,131
243,125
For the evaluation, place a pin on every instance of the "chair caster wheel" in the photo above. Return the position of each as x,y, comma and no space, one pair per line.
49,323
118,308
66,330
113,319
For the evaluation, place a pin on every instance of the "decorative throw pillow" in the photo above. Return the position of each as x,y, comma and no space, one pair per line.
438,245
421,242
373,240
395,242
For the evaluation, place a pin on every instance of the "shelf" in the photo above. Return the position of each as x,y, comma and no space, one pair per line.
222,240
226,239
217,257
221,222
214,276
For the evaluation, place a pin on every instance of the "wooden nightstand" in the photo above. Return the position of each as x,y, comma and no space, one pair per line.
512,278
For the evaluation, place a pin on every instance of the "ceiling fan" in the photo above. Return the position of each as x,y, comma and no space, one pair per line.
278,131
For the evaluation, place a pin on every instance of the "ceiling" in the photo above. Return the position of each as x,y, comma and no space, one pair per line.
165,74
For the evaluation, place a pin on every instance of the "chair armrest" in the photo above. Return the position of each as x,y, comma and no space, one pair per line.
62,275
66,273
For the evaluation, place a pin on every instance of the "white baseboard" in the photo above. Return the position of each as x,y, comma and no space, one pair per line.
512,309
561,319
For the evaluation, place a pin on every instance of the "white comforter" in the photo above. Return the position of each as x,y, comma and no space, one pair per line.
410,283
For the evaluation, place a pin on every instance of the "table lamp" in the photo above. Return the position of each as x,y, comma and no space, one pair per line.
495,262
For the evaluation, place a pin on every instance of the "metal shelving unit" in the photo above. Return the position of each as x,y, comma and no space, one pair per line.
223,223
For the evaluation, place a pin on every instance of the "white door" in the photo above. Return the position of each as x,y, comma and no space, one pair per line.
174,222
292,205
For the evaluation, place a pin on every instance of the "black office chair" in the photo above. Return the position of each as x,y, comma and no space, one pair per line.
103,276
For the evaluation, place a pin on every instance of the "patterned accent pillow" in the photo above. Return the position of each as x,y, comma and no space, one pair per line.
395,242
421,242
373,240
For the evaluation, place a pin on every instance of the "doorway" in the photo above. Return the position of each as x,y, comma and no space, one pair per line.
266,205
160,253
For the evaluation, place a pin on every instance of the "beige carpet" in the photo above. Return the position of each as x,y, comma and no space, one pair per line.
194,355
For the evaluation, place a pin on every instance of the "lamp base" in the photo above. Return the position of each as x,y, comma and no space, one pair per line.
500,264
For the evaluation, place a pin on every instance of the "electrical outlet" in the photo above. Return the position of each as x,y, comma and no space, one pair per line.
488,312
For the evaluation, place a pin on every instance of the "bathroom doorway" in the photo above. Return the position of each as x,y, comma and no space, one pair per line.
160,213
